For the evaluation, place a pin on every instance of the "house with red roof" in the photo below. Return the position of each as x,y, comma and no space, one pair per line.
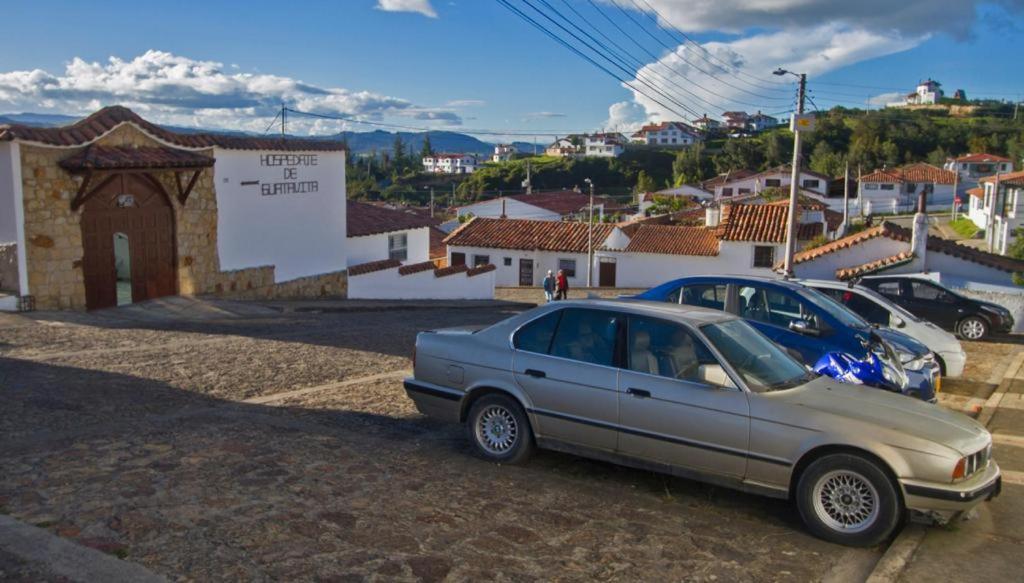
1000,209
377,232
895,190
667,133
556,205
972,167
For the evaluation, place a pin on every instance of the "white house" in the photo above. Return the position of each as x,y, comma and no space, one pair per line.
928,92
1003,209
542,206
705,123
450,163
736,120
743,239
745,182
503,153
604,145
567,147
760,122
895,190
173,213
377,233
667,133
971,167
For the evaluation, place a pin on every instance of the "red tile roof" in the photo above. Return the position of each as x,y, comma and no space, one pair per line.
919,172
372,266
981,158
673,240
754,222
480,269
844,274
1009,179
96,157
416,268
977,191
103,121
886,229
805,202
364,219
450,270
527,235
711,183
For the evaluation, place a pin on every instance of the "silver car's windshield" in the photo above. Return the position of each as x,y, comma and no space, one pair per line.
763,365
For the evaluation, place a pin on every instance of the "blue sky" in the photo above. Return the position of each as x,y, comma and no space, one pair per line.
473,64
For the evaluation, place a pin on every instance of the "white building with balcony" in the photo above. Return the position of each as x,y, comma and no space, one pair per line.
450,164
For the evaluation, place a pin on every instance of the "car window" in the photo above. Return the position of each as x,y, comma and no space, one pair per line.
536,335
862,306
929,293
586,335
673,296
665,349
705,295
773,307
889,288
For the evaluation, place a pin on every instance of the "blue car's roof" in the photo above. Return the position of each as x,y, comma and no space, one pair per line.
737,279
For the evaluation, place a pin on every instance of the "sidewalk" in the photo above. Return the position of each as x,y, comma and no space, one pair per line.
987,547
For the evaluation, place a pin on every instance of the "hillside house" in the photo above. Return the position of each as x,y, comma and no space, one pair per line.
895,190
928,92
736,120
972,167
542,206
706,124
503,153
744,182
1002,208
667,133
450,164
760,122
604,145
377,233
568,147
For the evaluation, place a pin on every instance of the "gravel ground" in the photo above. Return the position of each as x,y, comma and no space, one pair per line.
164,443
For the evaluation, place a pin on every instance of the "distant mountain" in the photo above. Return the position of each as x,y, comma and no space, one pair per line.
359,142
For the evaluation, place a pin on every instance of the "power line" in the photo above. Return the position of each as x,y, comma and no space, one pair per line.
474,131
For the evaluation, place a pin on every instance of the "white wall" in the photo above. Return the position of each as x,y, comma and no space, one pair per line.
299,233
825,267
12,216
375,247
508,275
941,199
388,284
514,209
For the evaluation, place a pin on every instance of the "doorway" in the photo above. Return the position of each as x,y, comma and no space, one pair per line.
526,272
606,272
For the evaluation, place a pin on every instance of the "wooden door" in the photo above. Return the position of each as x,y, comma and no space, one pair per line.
606,274
526,272
129,204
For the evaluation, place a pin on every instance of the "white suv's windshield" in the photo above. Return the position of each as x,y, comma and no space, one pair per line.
838,311
763,365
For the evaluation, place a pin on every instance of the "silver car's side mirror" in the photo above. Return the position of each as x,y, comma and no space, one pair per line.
803,327
898,322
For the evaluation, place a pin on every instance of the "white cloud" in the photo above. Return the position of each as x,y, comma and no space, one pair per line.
625,117
737,74
418,6
884,98
172,89
466,103
544,115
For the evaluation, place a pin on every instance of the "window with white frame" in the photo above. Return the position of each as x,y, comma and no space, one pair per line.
398,246
764,256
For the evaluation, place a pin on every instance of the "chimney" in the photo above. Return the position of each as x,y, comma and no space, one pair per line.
919,234
712,215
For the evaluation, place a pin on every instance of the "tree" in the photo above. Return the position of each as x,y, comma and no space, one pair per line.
825,161
427,151
398,152
644,182
691,166
1016,250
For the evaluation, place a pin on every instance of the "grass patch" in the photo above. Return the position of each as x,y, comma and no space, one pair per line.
965,228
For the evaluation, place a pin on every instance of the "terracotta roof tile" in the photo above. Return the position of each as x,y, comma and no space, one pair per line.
673,240
106,119
416,268
450,270
372,266
919,172
885,229
364,219
977,191
526,234
754,222
97,157
804,201
846,273
981,158
480,269
1008,179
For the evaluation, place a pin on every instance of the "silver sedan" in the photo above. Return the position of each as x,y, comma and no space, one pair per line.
703,395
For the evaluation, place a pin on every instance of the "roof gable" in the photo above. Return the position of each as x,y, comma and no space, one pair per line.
366,219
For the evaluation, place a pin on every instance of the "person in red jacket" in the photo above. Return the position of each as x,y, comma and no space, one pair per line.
561,286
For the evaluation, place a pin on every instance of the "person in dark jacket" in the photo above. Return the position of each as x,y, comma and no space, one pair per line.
549,287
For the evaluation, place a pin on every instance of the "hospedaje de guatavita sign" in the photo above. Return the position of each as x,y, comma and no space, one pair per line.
290,179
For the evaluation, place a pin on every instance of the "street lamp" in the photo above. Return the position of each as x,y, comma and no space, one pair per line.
793,189
590,236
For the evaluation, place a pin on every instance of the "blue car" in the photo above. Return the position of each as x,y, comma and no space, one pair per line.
809,323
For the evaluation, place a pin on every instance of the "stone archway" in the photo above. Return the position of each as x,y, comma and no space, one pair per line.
129,205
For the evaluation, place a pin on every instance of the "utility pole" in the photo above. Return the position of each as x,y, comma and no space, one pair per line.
956,185
860,192
431,202
846,198
794,186
529,184
284,121
990,231
590,239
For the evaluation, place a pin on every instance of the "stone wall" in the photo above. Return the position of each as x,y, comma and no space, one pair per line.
54,236
8,267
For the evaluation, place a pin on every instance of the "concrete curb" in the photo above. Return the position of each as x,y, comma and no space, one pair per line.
894,561
66,558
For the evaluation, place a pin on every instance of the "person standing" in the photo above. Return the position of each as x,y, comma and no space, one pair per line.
561,286
549,287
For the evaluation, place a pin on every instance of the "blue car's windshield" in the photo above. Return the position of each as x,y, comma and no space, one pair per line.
763,365
833,308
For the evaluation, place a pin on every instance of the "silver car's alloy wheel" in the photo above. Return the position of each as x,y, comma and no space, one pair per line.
496,430
846,501
972,329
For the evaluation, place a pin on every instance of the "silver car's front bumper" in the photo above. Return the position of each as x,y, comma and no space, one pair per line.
932,497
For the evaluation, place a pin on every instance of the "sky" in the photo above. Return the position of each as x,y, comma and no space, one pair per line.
477,66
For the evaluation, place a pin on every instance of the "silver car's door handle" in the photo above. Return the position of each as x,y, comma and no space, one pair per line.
535,373
639,393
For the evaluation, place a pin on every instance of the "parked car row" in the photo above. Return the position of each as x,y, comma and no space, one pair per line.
711,378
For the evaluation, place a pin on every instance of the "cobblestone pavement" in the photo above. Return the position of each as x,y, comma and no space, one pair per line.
137,439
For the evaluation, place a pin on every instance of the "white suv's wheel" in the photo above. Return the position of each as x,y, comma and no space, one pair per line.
848,499
499,429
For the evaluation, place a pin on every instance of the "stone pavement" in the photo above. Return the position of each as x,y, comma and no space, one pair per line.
988,546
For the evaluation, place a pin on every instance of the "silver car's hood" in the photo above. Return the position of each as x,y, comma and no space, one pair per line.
890,411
